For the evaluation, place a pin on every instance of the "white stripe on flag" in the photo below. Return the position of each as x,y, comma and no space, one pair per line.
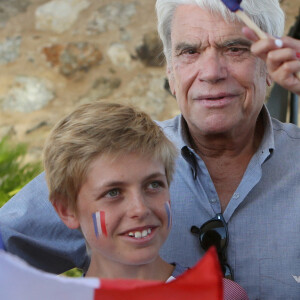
18,280
98,221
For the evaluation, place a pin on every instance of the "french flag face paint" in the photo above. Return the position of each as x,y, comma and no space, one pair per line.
168,210
99,223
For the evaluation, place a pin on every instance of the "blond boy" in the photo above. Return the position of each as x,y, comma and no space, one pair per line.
108,168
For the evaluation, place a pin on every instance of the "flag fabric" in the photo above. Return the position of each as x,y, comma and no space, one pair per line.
21,281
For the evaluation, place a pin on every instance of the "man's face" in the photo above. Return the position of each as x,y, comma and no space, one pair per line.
123,209
219,85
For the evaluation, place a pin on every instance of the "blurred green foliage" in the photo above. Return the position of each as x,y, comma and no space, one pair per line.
73,273
14,173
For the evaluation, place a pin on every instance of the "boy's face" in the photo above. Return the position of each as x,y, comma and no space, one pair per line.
123,208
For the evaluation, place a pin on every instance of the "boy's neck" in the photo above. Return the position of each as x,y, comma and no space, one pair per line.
156,270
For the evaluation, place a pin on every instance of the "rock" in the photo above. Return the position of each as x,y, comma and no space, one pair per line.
119,55
36,127
7,130
53,53
111,17
11,8
59,16
147,92
79,57
27,95
103,87
9,50
151,51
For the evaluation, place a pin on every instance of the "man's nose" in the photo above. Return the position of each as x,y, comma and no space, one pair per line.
212,67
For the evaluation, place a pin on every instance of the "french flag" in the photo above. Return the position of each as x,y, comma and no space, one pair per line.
99,223
21,281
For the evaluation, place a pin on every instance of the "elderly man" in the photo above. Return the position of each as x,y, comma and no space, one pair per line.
236,184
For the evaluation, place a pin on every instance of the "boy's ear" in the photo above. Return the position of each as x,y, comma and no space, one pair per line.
66,213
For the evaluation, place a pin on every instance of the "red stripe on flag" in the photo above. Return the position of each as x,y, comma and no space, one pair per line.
204,281
103,226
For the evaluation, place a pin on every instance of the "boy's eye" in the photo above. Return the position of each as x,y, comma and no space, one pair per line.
154,185
113,193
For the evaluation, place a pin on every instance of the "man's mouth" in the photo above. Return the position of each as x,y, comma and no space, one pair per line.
215,97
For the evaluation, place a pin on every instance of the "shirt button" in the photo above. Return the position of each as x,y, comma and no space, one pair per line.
213,200
236,196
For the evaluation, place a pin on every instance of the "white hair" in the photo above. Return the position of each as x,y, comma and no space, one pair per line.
267,14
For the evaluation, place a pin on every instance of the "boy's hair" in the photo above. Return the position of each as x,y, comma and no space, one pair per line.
95,129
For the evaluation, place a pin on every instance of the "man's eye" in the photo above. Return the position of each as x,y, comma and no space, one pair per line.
113,193
238,49
235,49
189,51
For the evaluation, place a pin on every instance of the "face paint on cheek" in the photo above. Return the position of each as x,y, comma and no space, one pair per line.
99,223
168,210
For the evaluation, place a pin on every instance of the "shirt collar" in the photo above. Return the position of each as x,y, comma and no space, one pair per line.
265,149
183,133
267,143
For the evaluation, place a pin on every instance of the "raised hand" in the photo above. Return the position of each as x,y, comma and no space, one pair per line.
282,57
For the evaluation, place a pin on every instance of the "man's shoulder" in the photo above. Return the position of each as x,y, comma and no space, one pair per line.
36,188
170,123
171,128
286,131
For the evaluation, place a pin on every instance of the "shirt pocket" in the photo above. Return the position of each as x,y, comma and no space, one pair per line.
279,278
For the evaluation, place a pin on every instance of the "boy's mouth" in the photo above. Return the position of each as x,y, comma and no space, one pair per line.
140,234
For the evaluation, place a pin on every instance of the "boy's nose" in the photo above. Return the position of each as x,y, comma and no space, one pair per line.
138,207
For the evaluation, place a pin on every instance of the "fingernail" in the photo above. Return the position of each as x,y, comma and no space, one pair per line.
278,43
298,54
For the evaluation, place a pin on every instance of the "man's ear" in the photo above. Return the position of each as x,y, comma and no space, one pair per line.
171,80
66,213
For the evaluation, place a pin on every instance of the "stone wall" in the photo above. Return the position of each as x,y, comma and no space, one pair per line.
57,54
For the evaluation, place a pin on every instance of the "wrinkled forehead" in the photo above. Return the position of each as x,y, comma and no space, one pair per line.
194,24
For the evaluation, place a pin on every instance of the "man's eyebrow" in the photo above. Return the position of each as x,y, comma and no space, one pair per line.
184,45
235,42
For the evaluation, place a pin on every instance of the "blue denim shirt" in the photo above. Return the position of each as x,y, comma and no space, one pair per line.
263,216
